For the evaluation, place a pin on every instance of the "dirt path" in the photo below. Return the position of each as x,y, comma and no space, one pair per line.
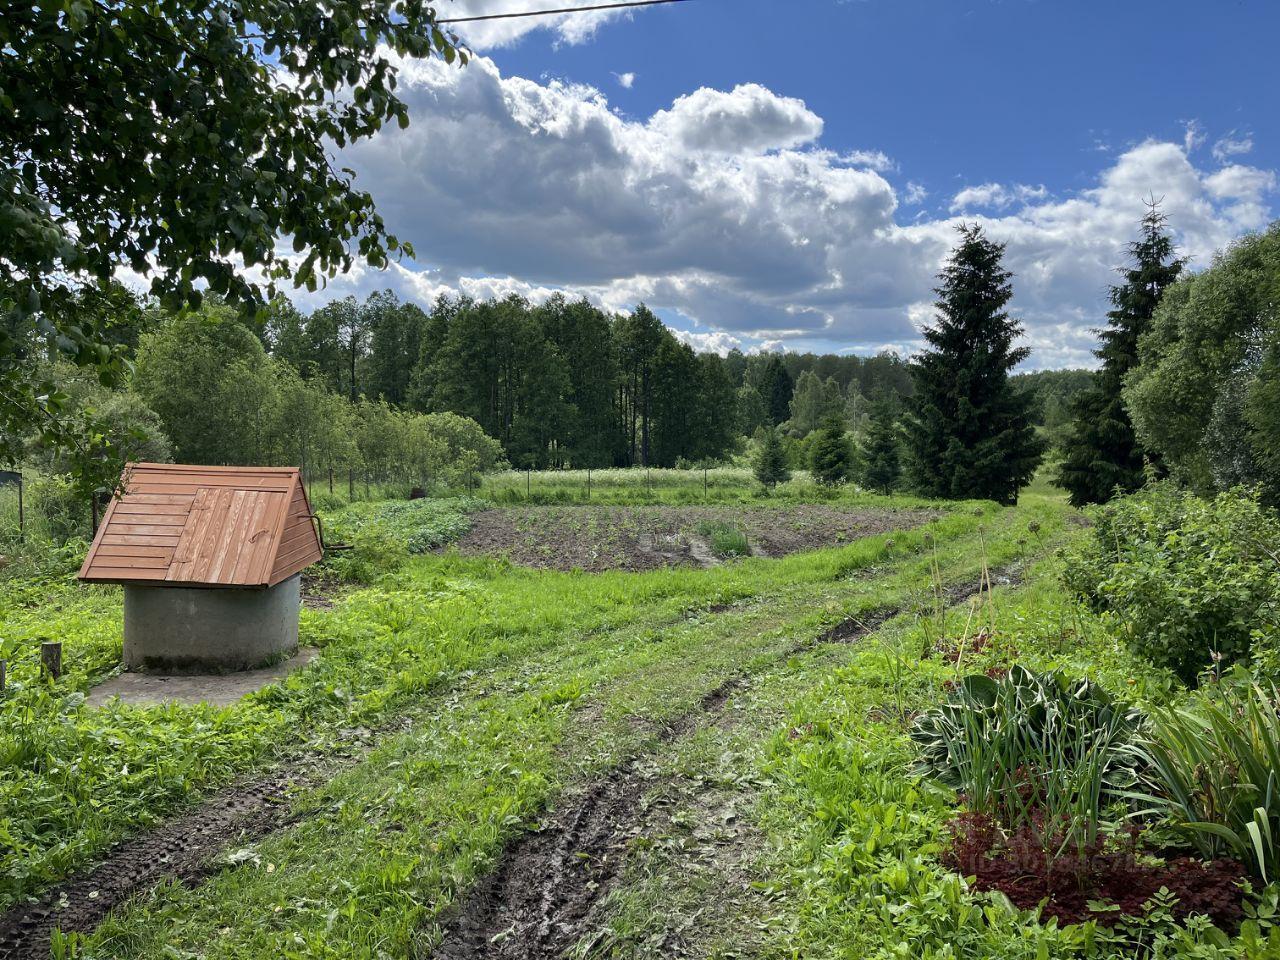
181,849
185,848
542,897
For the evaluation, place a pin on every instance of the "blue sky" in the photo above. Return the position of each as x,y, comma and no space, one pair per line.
788,175
1051,83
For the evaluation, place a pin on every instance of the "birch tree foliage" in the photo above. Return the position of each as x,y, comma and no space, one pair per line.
182,140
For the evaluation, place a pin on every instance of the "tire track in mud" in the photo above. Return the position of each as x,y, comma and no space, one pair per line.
541,897
185,847
182,849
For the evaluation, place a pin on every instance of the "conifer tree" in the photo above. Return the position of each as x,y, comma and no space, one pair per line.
969,432
776,390
831,455
883,466
1101,452
771,460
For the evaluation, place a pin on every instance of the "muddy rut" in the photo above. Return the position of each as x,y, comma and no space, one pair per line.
181,849
542,897
185,848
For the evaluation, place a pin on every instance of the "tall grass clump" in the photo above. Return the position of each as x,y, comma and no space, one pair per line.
725,539
1214,770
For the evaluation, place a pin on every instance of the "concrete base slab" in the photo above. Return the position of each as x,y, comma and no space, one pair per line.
222,690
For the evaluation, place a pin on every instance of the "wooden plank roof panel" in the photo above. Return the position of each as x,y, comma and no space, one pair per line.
181,525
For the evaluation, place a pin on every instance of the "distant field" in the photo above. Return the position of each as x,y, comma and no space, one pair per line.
637,485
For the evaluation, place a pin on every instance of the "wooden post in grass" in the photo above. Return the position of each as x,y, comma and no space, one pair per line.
704,481
51,658
588,483
331,480
4,670
351,485
528,483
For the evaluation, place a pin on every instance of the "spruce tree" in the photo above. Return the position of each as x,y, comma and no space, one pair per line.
880,448
831,456
771,460
1101,452
969,432
776,390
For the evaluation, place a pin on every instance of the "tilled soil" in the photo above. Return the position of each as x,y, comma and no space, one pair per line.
602,538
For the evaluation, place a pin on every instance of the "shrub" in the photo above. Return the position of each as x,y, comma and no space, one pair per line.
831,453
1186,581
1214,770
374,553
1037,754
56,510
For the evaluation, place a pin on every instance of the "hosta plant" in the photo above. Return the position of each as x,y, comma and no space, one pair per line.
1033,752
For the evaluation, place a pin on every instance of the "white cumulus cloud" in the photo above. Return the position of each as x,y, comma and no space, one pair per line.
996,196
569,28
727,209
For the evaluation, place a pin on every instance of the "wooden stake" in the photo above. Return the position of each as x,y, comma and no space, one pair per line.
4,669
51,658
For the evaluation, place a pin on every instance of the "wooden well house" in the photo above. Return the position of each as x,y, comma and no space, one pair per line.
210,559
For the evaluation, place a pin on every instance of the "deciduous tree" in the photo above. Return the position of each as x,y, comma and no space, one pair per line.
182,140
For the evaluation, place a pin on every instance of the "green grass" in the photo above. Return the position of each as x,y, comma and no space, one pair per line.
841,842
667,486
572,660
792,827
726,539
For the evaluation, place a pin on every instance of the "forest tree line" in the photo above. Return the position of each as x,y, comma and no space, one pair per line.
388,390
565,384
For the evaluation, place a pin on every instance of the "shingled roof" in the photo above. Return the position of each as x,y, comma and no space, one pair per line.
176,525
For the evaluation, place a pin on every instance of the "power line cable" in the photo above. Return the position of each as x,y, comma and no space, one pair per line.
547,13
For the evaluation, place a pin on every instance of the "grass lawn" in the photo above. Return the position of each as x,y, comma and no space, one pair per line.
724,748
